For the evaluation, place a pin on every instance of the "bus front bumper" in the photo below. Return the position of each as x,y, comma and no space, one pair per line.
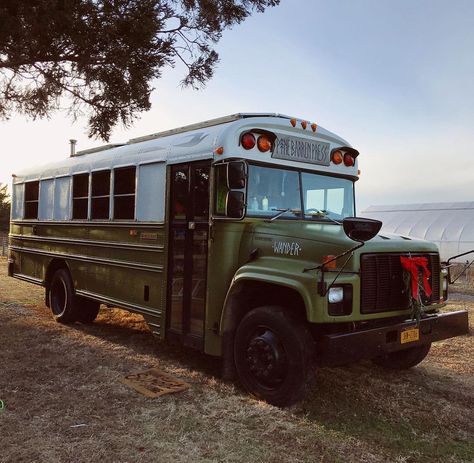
339,349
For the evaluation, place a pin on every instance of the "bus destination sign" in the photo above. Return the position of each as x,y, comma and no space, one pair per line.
302,150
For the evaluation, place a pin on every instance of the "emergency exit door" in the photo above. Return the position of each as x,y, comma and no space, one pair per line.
188,238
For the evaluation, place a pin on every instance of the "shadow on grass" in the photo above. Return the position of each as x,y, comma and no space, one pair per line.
132,332
419,414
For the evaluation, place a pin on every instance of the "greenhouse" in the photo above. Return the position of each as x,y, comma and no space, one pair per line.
449,225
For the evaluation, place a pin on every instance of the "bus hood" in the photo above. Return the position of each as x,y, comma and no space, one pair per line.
310,242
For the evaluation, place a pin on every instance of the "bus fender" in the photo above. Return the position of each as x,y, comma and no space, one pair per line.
235,309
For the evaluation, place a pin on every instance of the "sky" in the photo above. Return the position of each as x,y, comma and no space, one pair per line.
394,78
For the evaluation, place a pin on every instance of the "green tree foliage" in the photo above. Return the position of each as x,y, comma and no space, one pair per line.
4,208
104,54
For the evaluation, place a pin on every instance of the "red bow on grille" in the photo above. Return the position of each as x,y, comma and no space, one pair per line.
412,265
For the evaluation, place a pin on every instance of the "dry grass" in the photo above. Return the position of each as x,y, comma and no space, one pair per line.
54,377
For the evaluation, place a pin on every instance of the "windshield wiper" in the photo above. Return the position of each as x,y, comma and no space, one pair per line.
321,213
281,212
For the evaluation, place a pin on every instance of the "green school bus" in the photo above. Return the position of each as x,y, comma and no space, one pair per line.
237,237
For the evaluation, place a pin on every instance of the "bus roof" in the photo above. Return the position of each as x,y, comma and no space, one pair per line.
189,143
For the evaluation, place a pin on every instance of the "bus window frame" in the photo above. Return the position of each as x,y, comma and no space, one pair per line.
299,171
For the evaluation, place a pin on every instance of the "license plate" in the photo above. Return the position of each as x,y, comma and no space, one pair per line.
409,335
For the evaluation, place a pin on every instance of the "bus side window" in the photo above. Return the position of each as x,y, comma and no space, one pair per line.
180,187
100,195
31,200
124,193
80,196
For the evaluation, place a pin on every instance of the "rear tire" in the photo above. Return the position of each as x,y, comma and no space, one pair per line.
62,299
273,355
403,359
87,310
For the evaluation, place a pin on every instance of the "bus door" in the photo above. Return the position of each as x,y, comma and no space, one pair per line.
188,237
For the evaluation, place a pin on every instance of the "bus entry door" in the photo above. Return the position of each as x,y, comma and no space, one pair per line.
188,238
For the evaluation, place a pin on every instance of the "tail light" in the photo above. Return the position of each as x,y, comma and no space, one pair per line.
336,157
348,160
344,154
248,141
263,143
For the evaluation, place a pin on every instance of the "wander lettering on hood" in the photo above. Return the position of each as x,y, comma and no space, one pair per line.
286,248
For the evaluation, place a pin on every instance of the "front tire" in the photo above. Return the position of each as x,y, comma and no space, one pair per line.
273,355
403,359
62,299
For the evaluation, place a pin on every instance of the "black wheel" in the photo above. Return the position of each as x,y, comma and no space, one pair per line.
62,299
403,359
273,355
87,310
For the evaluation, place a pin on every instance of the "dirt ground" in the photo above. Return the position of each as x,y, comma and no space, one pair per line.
54,378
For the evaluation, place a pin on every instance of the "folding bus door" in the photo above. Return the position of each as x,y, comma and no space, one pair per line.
188,237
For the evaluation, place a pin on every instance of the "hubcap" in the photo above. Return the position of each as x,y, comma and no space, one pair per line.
265,358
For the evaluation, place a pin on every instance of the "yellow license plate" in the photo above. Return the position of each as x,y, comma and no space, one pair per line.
409,335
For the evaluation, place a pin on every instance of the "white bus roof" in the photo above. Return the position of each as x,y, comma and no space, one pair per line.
193,142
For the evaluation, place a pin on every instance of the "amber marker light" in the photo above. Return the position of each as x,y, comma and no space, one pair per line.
304,124
248,141
263,143
329,265
348,160
336,157
314,127
219,150
293,122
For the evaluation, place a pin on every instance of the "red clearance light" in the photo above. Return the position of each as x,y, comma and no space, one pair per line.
263,143
336,157
348,160
219,150
248,141
327,264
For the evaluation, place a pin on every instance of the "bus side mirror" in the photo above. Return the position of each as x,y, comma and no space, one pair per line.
235,204
236,175
360,229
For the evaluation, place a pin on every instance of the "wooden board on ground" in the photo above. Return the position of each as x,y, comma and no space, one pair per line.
154,383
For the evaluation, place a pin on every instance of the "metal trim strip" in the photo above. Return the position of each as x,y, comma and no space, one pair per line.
154,325
110,244
117,263
90,223
119,303
36,281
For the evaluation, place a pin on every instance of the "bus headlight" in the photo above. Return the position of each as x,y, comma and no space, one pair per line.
336,294
340,300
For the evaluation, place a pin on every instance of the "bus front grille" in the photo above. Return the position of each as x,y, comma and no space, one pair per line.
382,286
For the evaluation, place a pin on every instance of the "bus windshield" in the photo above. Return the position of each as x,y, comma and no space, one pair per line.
272,189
